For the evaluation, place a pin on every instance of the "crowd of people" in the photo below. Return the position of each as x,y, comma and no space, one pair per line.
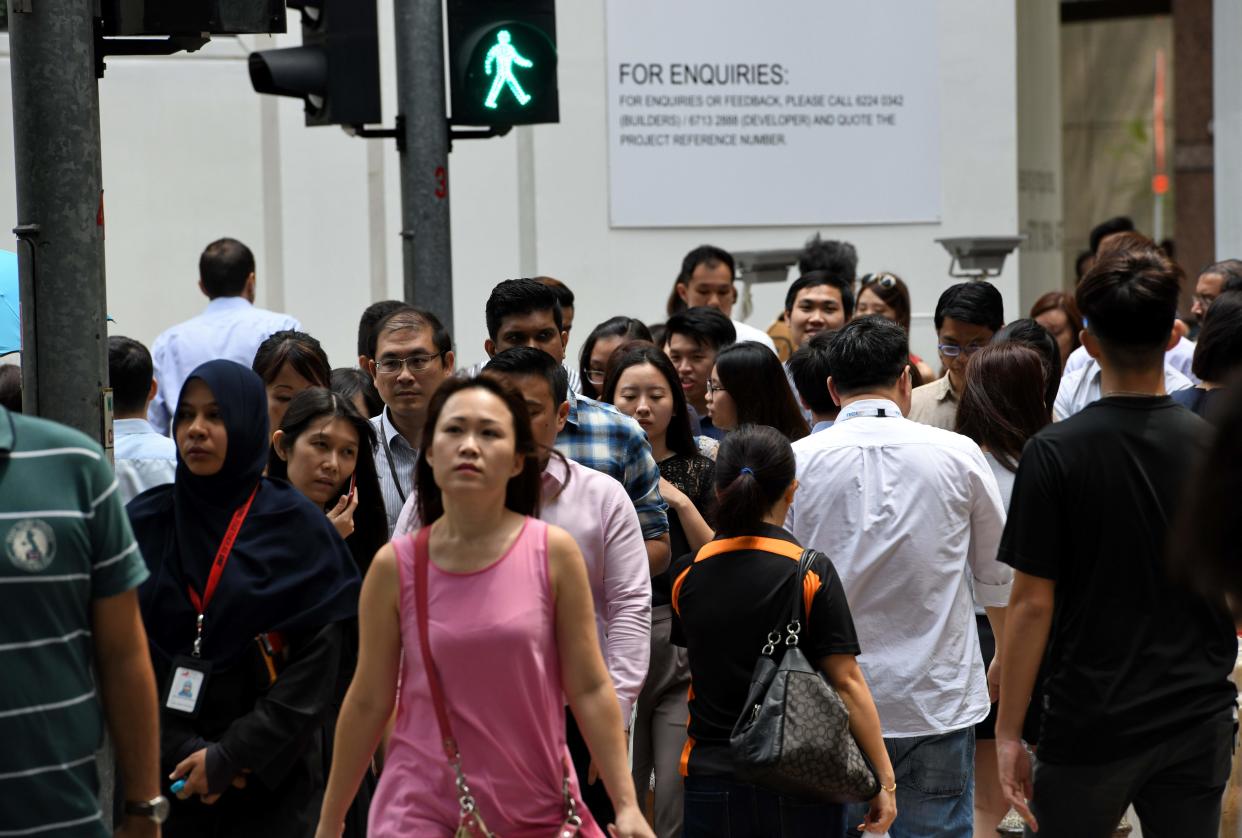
407,596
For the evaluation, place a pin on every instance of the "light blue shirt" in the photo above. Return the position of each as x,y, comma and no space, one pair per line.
229,328
143,458
822,426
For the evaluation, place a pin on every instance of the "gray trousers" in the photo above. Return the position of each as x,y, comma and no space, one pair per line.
660,726
1175,787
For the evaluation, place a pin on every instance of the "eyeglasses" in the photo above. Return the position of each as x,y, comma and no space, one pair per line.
952,350
415,363
595,376
885,281
715,387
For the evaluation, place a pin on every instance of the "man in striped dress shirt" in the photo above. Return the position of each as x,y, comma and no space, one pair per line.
68,590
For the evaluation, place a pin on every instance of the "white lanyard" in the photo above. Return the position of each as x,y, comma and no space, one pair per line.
870,412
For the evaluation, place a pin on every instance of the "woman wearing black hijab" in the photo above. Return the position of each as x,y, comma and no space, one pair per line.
247,639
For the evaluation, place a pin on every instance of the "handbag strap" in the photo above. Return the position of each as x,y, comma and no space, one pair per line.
422,559
798,611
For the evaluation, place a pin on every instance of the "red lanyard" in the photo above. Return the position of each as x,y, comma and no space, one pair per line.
217,569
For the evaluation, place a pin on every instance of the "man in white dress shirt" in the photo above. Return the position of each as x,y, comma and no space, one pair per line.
142,458
909,514
706,279
230,327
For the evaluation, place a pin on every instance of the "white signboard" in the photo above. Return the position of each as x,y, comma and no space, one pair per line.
801,112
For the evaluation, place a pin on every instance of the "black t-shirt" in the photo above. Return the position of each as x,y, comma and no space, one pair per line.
1133,657
723,608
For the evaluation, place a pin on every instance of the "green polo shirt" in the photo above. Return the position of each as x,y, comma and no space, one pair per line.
65,541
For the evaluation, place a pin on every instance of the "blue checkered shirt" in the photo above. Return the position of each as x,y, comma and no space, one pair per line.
600,437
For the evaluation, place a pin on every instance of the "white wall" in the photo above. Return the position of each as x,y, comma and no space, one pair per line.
184,143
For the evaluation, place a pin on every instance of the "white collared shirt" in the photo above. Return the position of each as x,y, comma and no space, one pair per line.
745,331
1181,358
142,458
906,511
229,328
1081,387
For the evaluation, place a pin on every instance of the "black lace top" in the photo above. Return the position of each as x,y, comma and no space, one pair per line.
694,476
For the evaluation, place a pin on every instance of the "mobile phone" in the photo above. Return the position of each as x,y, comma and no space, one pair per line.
353,484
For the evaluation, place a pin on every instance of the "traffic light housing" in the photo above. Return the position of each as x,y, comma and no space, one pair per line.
190,17
502,59
335,71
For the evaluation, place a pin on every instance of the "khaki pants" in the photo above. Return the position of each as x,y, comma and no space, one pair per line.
660,726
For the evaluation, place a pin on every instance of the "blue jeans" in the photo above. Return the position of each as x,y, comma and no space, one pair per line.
717,807
935,786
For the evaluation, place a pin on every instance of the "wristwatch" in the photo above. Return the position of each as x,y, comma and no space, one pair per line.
155,809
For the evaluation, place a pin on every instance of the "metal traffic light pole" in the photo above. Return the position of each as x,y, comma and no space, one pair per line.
60,211
424,145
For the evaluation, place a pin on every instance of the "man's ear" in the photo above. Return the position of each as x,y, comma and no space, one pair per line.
371,368
449,360
248,292
489,347
682,290
1089,343
203,288
155,388
1175,335
832,391
562,416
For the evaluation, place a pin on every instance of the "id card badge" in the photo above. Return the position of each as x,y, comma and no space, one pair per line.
187,683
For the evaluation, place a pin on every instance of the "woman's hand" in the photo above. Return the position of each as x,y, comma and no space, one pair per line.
881,814
342,515
630,824
673,496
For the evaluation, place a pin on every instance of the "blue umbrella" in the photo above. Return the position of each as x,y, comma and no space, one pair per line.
10,307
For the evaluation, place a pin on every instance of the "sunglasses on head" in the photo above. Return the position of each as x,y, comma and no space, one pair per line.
885,281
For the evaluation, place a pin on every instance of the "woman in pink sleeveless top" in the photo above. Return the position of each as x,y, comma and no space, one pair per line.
511,631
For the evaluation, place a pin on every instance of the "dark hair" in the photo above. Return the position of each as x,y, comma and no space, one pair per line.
1029,332
895,294
130,373
350,381
659,333
1205,541
1219,349
836,257
755,379
371,317
704,325
1229,270
1082,263
868,353
298,349
563,295
678,437
743,497
224,267
11,387
370,520
527,360
412,317
976,302
520,296
1129,299
1060,301
814,279
704,254
1003,401
809,367
614,327
522,492
1117,224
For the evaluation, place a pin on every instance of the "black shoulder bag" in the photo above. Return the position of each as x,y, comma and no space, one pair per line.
794,735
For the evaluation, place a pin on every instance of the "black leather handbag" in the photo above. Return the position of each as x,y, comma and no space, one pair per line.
794,735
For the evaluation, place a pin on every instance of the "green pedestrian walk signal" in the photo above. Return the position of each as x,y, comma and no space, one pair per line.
503,62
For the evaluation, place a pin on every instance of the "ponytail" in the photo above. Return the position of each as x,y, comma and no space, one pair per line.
754,467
